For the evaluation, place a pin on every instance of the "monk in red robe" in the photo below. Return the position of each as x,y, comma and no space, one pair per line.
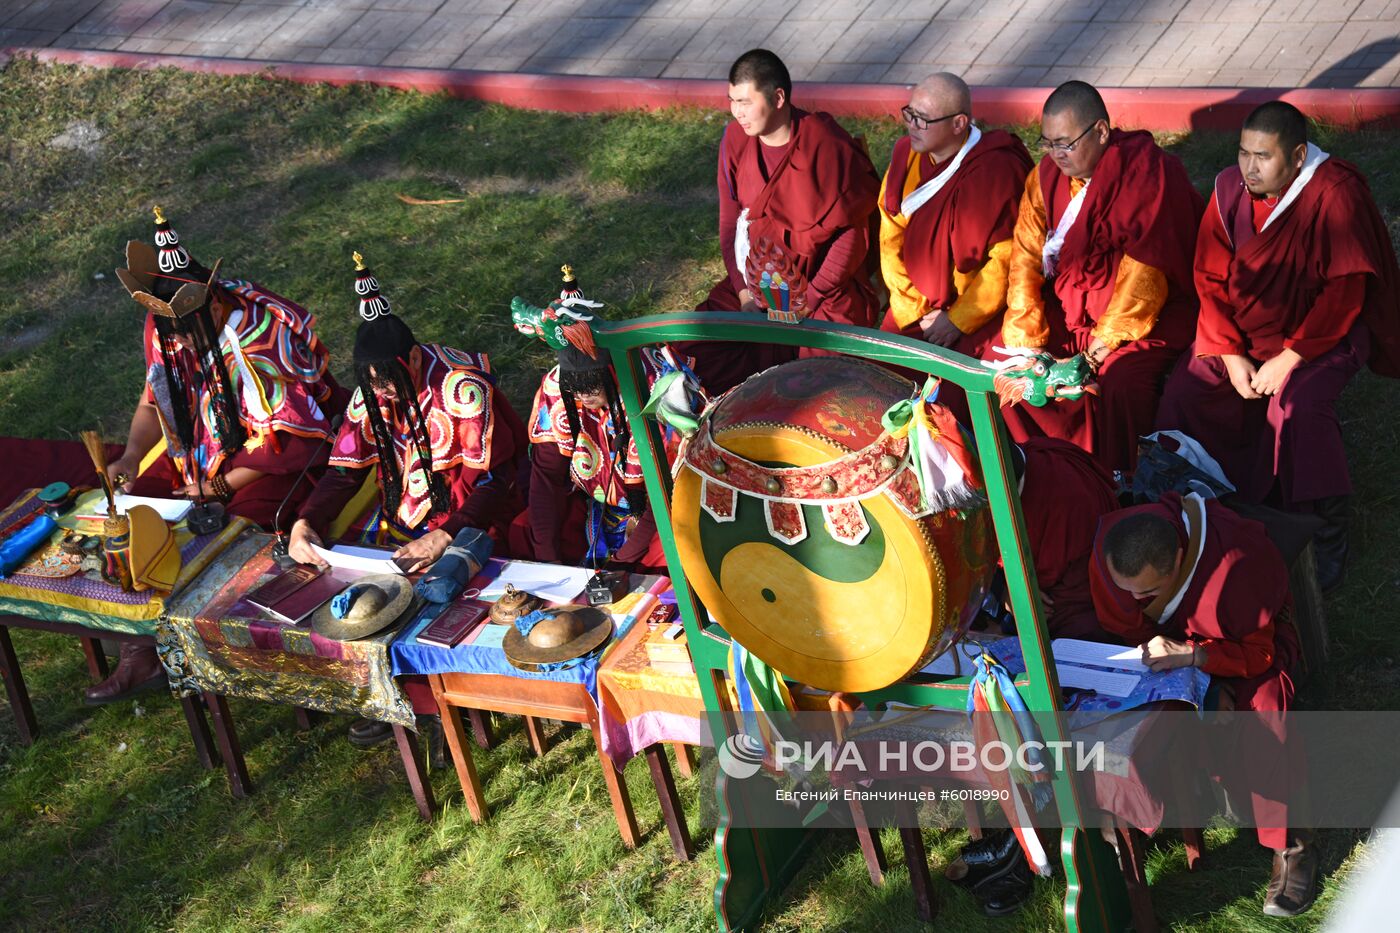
1064,493
443,444
947,211
1194,584
796,197
1299,287
238,390
1102,266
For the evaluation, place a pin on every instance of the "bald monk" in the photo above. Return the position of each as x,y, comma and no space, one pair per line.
1101,265
1064,493
947,212
1194,584
1298,285
795,192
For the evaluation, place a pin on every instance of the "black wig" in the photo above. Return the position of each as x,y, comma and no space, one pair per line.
580,373
383,345
208,370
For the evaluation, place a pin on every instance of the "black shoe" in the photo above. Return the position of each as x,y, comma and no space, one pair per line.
367,733
1004,895
1330,543
986,859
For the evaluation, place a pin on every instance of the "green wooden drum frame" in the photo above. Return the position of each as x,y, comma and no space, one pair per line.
754,863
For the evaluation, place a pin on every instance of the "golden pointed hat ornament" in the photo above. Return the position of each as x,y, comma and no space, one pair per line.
144,265
571,289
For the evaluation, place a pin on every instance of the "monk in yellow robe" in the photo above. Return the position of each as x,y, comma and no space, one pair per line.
1102,265
948,208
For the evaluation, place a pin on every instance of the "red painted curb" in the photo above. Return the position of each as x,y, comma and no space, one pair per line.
1163,109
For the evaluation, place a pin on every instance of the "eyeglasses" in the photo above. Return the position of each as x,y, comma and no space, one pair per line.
920,122
1069,146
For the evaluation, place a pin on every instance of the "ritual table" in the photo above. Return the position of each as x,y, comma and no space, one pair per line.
214,642
85,607
477,676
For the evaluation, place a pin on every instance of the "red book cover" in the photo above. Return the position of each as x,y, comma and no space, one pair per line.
278,588
306,599
456,621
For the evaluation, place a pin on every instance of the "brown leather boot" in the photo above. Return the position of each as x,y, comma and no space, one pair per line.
138,671
1293,884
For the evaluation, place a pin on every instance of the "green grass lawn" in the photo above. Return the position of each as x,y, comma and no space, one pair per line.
108,823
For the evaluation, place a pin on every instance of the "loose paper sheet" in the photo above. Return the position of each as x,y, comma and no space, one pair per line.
172,510
553,583
1105,683
1097,654
358,560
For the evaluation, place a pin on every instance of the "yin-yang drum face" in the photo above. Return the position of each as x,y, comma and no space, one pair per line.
809,599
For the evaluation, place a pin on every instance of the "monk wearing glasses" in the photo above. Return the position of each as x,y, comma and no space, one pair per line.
947,212
1101,264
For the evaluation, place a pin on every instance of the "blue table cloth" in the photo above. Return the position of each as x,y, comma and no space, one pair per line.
485,654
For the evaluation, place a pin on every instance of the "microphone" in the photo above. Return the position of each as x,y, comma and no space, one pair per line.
205,518
279,547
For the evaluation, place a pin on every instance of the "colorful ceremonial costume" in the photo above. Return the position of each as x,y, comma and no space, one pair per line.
1231,597
477,440
794,230
1109,258
945,235
277,372
469,443
1064,493
584,489
1315,273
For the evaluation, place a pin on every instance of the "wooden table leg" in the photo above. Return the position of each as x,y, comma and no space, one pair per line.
25,722
617,791
413,766
916,857
672,814
1132,856
482,733
462,759
685,758
96,659
870,848
199,732
1195,847
534,731
303,719
239,783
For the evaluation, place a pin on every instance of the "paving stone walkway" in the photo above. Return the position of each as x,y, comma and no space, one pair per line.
1128,43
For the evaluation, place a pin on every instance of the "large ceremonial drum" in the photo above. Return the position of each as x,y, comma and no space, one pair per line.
800,525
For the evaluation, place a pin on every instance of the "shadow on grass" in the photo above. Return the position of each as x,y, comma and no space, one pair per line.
106,837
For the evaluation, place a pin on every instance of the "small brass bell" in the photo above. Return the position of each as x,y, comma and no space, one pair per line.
889,462
720,467
513,604
772,485
829,486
